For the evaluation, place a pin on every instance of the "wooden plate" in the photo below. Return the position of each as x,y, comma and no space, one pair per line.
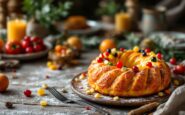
79,87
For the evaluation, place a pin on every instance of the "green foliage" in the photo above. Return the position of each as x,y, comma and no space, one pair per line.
133,39
45,11
109,8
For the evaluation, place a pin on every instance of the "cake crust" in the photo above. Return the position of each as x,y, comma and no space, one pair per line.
106,78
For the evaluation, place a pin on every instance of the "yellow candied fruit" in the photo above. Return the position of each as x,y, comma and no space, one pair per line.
45,86
111,57
43,103
82,76
113,51
176,82
136,48
161,94
88,92
152,53
97,95
41,92
49,63
106,62
92,90
53,67
115,98
77,79
86,88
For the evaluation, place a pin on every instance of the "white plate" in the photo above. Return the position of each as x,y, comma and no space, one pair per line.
29,56
94,26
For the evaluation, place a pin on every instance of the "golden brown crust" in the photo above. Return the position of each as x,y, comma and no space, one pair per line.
110,80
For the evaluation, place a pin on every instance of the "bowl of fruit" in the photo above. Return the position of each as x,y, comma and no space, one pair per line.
29,48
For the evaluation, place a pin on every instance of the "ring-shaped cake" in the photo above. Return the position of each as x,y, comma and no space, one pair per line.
128,73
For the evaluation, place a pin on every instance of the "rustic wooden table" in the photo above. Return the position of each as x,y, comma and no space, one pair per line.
32,75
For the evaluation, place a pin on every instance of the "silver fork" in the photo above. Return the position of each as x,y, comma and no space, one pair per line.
61,97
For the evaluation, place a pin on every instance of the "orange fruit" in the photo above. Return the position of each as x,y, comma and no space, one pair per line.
1,44
75,42
107,44
4,82
58,48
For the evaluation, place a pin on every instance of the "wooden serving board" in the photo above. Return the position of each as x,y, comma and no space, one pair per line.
79,87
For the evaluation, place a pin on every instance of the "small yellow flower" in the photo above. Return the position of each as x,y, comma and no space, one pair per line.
43,103
41,92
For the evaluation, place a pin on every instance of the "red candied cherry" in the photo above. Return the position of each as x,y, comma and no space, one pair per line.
135,69
88,108
159,56
149,64
107,54
122,49
27,93
147,50
119,64
100,60
173,61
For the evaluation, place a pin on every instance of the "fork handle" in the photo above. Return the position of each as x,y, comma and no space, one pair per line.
81,102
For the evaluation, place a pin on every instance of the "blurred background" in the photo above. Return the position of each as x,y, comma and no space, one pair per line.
127,22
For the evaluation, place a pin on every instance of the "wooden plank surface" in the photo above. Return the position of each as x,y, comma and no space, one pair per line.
32,75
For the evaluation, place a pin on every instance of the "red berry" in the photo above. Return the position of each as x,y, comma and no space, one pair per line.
122,49
149,64
106,59
147,50
119,64
173,61
179,69
100,60
135,69
159,56
88,108
27,93
107,54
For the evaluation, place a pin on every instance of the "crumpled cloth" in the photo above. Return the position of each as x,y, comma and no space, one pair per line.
175,103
